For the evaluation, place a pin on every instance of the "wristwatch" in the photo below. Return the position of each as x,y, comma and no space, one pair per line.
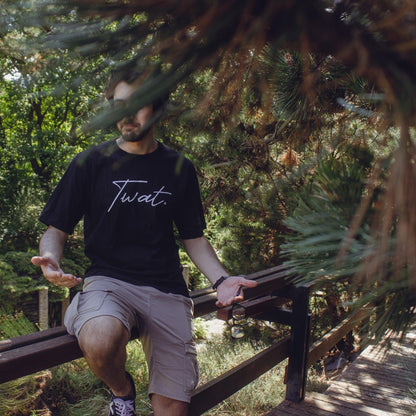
219,281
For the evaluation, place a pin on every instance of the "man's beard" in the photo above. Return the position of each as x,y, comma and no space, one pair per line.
134,136
137,134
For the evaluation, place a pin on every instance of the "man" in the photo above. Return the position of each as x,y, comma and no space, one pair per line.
130,192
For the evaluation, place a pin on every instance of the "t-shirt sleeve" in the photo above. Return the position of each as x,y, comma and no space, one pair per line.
66,206
189,216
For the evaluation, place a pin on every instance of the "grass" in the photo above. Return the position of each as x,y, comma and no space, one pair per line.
75,391
14,324
22,396
258,397
72,389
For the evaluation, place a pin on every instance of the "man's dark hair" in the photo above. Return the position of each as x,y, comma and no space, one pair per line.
131,75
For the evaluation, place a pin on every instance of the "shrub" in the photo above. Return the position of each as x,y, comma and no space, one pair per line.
19,279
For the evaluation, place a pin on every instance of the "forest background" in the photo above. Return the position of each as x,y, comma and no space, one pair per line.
297,115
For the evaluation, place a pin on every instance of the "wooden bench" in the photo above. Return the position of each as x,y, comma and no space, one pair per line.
35,352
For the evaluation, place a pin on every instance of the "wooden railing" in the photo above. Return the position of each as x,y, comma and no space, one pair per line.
273,299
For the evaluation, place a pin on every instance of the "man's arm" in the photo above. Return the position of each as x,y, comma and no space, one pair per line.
204,257
51,247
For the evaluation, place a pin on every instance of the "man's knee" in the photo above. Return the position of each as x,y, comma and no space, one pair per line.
164,406
102,336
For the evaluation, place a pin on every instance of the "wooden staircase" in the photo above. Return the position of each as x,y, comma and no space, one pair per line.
377,383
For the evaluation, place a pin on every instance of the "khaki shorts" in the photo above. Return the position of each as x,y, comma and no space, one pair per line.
164,321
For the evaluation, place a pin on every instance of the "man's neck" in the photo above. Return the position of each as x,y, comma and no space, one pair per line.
142,147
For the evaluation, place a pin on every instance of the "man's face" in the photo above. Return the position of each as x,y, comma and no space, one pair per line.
131,127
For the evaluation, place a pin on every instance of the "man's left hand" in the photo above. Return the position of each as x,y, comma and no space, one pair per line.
230,290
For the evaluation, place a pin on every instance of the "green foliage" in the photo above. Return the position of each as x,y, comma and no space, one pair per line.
241,98
321,249
326,206
19,280
74,259
287,72
20,262
45,97
248,237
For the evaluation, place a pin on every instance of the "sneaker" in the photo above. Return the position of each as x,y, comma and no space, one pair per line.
124,406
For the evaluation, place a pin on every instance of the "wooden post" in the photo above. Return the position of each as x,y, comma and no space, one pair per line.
64,307
185,274
43,308
299,346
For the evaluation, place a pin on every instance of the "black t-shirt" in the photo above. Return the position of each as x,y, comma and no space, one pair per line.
129,203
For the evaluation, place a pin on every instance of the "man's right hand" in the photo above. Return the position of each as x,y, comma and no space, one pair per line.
54,273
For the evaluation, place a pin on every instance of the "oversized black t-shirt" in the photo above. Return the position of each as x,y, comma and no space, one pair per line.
129,203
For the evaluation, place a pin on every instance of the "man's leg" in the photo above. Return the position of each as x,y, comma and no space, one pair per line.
163,406
103,341
167,339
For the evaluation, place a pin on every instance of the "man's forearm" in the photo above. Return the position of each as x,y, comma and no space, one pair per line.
52,244
204,257
51,247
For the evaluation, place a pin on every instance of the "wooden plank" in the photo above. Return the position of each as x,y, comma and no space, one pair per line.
207,294
370,386
375,382
373,379
320,405
262,273
373,397
38,351
325,343
280,269
375,394
304,408
267,285
373,375
23,340
399,357
288,408
32,358
205,304
252,307
398,363
218,389
9,344
344,406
